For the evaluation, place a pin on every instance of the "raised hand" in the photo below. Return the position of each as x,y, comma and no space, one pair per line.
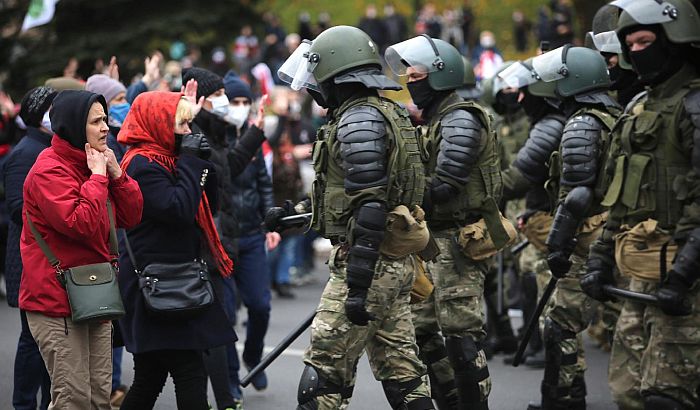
260,118
96,161
152,69
189,91
115,171
113,69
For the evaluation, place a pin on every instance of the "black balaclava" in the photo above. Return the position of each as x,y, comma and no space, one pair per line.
660,60
625,82
421,92
506,103
535,107
69,115
336,94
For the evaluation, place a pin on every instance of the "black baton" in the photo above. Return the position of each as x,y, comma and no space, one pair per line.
534,320
631,295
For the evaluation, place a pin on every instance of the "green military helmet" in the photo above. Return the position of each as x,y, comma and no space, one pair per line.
488,97
569,71
469,77
334,51
678,18
603,36
437,58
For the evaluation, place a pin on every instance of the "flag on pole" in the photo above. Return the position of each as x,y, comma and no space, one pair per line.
40,12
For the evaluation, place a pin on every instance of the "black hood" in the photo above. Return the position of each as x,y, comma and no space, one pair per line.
69,114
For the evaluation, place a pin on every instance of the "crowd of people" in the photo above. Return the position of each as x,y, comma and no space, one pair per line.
586,157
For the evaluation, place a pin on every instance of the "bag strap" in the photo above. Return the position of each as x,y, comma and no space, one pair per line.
131,253
53,260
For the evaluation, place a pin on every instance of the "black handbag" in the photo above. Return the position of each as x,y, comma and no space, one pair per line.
174,290
93,292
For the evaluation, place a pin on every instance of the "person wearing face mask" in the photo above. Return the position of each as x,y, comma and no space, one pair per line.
115,95
250,197
655,200
30,372
463,187
68,194
487,58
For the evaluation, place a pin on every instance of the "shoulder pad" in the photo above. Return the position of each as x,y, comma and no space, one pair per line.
580,150
543,140
457,122
361,123
583,122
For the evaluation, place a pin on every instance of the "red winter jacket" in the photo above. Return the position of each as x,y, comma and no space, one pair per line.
68,206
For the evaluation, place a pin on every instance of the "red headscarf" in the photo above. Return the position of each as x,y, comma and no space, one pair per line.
149,130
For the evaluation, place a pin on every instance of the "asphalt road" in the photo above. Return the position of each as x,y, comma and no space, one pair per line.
512,388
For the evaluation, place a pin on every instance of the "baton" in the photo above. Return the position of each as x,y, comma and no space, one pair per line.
534,320
631,295
270,357
519,247
295,219
499,284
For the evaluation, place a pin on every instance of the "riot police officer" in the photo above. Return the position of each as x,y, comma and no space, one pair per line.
653,232
464,184
367,163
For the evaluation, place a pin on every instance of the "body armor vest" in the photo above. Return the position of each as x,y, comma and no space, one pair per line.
477,198
650,170
332,207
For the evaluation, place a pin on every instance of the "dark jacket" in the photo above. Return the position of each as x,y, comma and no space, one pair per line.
252,193
168,233
15,171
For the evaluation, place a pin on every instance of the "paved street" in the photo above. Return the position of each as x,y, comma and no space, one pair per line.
512,388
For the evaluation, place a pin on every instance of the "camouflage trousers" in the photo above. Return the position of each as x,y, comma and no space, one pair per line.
454,307
654,353
337,344
572,310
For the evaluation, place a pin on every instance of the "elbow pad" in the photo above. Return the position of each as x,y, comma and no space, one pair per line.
368,233
580,150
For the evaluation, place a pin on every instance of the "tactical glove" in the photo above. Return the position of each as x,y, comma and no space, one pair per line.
599,274
355,308
195,145
673,296
558,258
274,214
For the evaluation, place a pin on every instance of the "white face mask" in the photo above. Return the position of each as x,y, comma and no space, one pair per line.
219,105
237,114
46,122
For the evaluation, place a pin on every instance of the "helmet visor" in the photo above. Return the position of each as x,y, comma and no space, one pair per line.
417,52
516,76
607,42
648,11
550,66
297,70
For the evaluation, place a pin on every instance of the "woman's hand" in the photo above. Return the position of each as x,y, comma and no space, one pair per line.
113,69
189,91
152,70
272,239
115,171
96,161
260,118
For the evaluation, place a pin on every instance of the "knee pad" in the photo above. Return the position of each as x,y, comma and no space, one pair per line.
396,393
461,351
658,402
312,385
555,333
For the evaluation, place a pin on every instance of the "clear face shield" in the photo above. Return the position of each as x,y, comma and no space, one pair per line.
551,66
418,52
606,42
515,76
648,11
298,69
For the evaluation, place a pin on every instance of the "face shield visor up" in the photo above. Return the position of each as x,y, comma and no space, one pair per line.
515,76
648,12
298,69
606,42
419,52
551,66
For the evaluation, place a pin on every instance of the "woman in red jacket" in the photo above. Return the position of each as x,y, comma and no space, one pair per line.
65,195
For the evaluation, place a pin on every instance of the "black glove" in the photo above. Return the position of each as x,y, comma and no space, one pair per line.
195,145
274,214
441,191
559,264
599,274
673,296
355,307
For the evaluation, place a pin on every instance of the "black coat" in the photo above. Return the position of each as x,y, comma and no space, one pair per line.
15,171
168,233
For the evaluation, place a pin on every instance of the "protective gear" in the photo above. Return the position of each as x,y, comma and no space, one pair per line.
46,122
362,136
274,214
370,77
600,272
673,296
678,18
573,70
312,385
441,191
463,352
469,79
396,393
219,105
562,238
421,93
459,147
195,145
237,114
553,395
544,139
658,61
535,107
355,308
507,103
367,235
580,150
656,402
437,58
332,207
117,112
445,393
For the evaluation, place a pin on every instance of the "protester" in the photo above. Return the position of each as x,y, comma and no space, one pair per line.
169,164
65,195
30,373
114,93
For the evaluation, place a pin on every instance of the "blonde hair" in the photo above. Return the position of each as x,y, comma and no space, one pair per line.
183,113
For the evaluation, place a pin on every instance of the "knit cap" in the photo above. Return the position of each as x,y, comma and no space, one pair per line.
235,87
105,85
207,82
35,104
